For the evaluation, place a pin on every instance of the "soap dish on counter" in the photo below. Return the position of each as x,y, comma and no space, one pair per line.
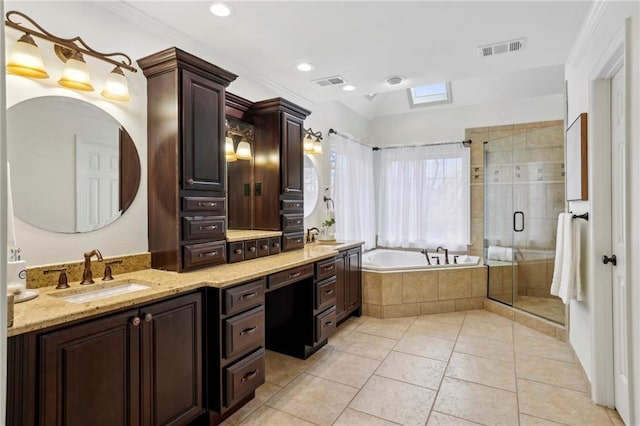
24,295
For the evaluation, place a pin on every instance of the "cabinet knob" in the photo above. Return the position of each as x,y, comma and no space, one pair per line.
135,321
148,317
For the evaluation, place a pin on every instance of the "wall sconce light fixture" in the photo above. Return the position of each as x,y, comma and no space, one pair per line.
310,146
25,59
243,151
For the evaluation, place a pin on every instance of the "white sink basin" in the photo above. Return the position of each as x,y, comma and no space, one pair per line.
102,293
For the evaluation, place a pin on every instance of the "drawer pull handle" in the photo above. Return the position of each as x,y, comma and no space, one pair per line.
299,240
135,321
250,375
276,245
209,254
248,296
237,251
265,247
252,249
248,331
202,204
208,228
295,274
328,324
328,268
329,292
148,317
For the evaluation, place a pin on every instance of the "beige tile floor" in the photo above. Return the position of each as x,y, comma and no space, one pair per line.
462,368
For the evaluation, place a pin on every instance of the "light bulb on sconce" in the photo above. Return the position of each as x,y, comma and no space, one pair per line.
25,59
229,152
243,152
310,146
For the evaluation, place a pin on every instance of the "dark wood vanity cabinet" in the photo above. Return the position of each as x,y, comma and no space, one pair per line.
278,204
186,161
348,282
140,366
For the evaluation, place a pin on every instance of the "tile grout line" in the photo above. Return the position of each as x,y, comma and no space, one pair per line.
444,373
372,374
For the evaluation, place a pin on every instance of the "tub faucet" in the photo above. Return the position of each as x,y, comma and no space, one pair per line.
446,254
426,254
87,275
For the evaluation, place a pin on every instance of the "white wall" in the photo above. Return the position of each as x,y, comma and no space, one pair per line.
448,124
603,25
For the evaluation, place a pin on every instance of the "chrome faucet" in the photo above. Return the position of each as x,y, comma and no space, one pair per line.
87,275
446,254
312,237
426,254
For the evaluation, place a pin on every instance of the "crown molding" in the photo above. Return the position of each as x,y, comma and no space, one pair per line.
587,32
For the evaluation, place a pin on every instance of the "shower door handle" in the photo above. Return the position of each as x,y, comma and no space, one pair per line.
515,217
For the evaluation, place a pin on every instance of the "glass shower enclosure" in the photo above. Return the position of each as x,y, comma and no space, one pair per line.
523,195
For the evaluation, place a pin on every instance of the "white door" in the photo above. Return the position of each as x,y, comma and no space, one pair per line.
97,183
619,247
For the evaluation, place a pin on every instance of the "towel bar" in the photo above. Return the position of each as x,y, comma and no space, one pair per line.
584,216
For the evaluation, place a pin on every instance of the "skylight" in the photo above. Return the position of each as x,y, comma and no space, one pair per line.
430,93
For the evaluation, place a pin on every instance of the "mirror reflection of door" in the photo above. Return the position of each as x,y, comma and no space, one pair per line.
97,183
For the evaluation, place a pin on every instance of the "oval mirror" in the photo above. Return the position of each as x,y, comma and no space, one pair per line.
311,186
74,168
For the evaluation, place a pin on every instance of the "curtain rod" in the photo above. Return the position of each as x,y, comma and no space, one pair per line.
466,143
348,136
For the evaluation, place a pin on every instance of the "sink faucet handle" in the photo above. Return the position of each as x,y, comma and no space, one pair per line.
87,274
63,281
108,274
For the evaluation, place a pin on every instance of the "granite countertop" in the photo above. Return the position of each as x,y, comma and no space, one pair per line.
48,310
234,235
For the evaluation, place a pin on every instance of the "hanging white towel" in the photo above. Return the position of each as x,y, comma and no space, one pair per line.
500,253
566,282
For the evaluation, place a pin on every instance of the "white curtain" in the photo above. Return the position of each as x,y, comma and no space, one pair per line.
352,189
424,198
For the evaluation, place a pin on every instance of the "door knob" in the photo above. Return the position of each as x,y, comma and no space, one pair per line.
606,259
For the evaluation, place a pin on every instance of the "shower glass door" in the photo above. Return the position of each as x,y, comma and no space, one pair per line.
524,193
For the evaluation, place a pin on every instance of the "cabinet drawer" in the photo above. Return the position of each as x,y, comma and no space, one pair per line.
325,324
242,297
204,204
205,254
325,293
293,206
325,268
290,276
250,249
244,377
203,227
244,332
292,222
274,245
292,241
263,247
236,252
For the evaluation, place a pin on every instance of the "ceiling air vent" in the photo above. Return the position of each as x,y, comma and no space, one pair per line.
336,80
503,47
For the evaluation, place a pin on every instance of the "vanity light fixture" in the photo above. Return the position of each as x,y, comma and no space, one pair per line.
25,60
245,136
310,146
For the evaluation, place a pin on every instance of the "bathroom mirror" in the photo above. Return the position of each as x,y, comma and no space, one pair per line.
311,186
74,168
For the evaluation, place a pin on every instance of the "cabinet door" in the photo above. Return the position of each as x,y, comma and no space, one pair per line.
89,373
341,285
292,169
354,280
171,361
203,161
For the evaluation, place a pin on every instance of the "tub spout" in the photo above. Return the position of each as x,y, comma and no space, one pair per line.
426,254
446,254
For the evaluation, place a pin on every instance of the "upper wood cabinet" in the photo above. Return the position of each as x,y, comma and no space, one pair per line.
186,127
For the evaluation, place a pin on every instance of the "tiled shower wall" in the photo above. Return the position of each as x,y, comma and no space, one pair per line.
538,157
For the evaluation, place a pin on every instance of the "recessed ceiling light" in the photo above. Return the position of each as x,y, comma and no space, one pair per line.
220,9
370,96
304,66
348,87
394,80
